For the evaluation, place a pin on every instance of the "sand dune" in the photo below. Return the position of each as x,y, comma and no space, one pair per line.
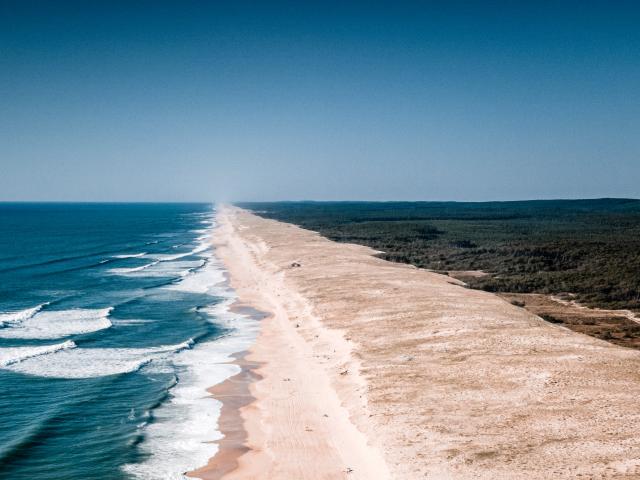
372,369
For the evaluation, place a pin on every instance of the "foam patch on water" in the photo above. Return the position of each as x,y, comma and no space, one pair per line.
12,355
72,362
130,321
207,278
58,324
130,255
201,280
168,257
175,269
165,265
180,438
7,318
126,271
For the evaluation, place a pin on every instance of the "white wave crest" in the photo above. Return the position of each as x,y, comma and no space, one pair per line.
59,323
72,362
130,255
168,258
12,355
8,318
126,271
130,321
168,269
202,246
202,280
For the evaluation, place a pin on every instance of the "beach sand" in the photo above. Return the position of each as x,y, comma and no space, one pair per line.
366,369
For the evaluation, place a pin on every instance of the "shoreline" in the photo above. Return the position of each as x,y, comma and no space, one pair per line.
234,395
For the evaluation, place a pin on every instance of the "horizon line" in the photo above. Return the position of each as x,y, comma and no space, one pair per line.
187,202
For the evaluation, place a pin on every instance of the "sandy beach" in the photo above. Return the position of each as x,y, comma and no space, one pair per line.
366,369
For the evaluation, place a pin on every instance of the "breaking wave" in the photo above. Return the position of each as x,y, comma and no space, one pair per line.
57,324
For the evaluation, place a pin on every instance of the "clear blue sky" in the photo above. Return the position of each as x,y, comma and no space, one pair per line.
260,101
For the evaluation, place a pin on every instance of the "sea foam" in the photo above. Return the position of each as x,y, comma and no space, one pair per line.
7,318
180,439
76,362
126,271
202,246
12,355
201,280
57,324
130,255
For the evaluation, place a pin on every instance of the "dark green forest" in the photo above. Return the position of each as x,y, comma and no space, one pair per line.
590,248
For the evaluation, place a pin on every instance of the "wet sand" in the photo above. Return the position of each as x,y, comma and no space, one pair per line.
373,370
234,394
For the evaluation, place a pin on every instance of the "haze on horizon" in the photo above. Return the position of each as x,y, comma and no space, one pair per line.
174,101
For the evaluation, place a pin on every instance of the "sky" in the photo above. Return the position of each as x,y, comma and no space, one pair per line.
261,101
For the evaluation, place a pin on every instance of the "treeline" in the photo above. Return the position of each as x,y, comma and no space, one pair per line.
590,248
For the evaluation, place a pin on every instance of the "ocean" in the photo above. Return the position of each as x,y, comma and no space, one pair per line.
114,319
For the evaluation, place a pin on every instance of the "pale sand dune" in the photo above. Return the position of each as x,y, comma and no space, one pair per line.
418,376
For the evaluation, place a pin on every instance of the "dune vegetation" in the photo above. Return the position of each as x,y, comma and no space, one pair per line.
587,249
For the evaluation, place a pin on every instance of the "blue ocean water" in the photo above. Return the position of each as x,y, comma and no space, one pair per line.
114,320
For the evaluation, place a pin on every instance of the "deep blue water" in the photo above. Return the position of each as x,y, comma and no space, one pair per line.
110,329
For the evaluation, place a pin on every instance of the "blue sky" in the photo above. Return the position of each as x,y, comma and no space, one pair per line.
447,100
